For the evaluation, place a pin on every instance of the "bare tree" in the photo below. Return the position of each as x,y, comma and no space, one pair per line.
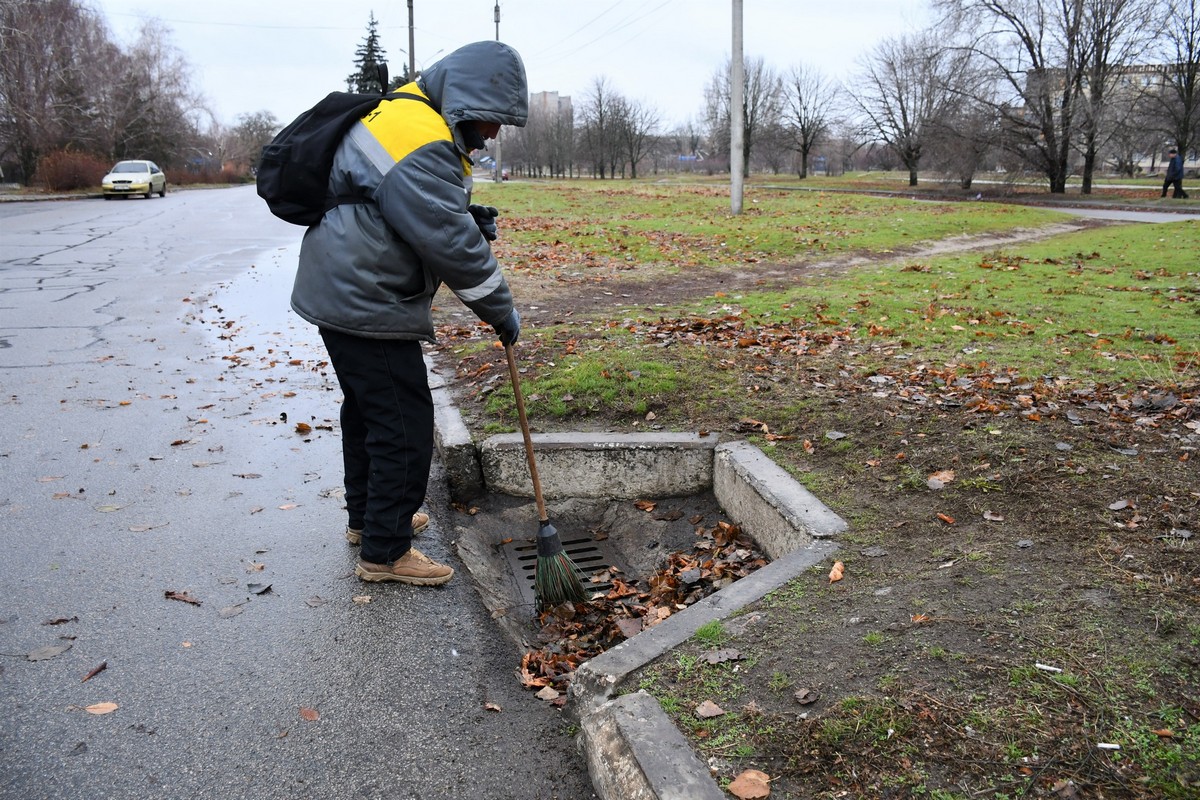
1178,99
904,88
809,100
1115,36
760,100
636,126
39,56
598,130
1036,50
243,146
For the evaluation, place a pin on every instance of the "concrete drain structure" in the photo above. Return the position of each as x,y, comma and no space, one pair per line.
589,481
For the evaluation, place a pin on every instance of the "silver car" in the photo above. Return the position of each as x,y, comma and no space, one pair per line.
134,177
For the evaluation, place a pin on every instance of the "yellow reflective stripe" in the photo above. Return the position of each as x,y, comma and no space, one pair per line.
403,130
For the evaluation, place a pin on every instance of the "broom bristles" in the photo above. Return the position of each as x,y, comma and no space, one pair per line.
555,578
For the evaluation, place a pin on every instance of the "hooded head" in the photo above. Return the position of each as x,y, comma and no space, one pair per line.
1172,151
479,82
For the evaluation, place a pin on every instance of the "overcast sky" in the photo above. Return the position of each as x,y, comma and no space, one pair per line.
282,55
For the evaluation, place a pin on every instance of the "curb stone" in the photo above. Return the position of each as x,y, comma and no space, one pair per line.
633,749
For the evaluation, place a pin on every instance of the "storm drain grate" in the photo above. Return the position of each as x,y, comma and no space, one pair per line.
590,555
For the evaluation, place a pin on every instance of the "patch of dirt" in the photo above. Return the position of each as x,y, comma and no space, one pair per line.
1018,613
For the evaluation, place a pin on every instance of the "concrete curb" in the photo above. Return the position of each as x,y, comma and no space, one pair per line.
633,750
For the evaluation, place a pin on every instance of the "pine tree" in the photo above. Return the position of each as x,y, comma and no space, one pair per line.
369,54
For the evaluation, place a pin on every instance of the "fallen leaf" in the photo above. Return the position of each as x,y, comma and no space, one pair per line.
181,596
805,697
1165,733
722,655
752,784
919,618
303,428
103,666
362,599
645,505
287,506
492,707
1120,505
991,516
101,708
315,601
60,620
547,693
837,572
232,611
309,714
48,652
708,709
946,518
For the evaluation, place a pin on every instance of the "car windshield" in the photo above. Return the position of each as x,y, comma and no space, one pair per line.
131,166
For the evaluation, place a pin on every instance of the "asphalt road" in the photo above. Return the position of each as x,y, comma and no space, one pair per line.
147,362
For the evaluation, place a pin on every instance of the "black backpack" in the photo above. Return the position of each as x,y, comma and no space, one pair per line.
293,174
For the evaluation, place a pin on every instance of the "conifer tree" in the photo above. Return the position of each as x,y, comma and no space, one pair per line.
369,54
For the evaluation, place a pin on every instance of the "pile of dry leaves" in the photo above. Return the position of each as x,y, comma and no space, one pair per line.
622,606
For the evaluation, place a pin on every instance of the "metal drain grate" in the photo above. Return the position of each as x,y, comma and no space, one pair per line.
590,555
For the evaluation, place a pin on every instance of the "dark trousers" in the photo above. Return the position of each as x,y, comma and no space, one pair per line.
1177,191
387,438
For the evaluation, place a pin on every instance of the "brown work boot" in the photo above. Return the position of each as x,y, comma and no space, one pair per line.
413,567
420,522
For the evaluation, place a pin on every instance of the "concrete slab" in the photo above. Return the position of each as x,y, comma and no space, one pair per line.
767,502
612,465
634,752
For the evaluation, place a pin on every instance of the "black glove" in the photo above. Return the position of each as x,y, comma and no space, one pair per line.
485,218
510,329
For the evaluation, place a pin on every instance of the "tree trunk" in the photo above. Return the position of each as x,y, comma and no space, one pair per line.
912,176
1089,164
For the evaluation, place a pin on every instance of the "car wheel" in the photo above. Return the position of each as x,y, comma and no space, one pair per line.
163,191
150,191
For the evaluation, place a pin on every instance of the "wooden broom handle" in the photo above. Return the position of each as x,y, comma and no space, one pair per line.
533,473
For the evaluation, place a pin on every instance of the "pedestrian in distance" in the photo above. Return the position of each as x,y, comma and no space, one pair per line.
368,271
1174,176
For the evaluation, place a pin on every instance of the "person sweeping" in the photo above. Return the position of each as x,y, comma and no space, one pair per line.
368,272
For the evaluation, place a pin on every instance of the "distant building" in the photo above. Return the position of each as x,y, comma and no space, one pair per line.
550,104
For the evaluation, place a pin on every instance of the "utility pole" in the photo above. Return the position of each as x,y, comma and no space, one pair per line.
412,53
737,126
499,170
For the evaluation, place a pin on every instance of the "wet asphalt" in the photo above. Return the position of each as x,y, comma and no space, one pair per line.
152,382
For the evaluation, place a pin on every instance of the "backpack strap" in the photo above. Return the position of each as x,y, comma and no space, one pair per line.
357,199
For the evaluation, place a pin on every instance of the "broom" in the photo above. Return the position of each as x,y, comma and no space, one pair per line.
555,578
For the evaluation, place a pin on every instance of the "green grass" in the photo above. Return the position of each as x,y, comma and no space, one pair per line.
676,226
1108,305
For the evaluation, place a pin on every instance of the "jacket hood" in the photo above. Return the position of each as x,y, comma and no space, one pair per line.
483,81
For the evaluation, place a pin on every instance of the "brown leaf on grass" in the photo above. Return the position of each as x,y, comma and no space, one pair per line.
946,518
837,572
645,505
708,709
183,597
309,714
752,784
101,708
